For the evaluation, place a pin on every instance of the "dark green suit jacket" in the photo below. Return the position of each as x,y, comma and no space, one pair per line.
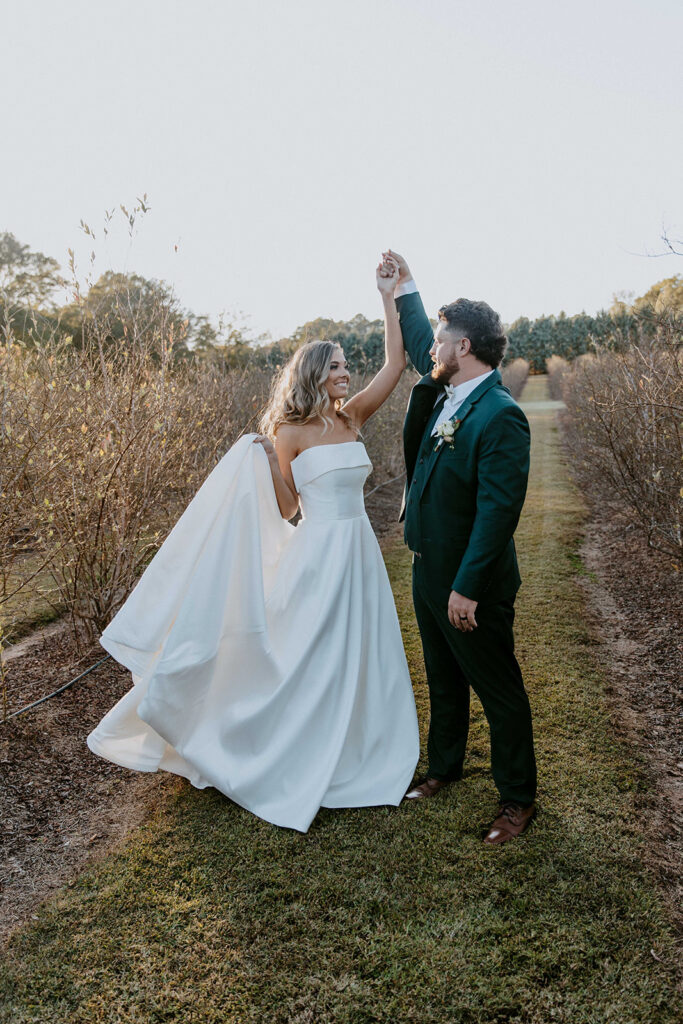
463,501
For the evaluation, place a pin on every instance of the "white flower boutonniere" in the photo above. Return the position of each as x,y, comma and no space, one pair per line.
445,433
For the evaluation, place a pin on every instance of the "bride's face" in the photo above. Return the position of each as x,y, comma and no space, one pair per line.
337,383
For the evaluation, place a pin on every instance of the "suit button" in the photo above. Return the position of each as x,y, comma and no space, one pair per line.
421,461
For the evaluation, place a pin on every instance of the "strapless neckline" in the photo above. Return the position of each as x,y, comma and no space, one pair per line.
335,444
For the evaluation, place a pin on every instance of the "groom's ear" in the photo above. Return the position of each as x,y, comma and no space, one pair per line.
466,346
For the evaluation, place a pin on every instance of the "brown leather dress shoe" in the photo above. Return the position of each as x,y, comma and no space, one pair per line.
512,821
425,787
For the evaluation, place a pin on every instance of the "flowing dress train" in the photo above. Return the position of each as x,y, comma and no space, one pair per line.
267,660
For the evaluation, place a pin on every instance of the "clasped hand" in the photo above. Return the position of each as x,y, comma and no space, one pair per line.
387,275
392,260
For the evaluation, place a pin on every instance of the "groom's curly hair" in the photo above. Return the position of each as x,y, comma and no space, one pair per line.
481,324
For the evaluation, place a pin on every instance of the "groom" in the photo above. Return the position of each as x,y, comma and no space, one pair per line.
467,459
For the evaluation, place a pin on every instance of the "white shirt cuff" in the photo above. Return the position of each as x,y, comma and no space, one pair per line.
407,288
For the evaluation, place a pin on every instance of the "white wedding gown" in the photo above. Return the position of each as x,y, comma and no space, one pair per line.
267,660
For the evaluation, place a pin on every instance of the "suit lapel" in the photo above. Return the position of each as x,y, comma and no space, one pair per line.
461,414
420,410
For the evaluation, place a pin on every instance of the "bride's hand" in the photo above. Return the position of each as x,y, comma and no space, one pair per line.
403,268
268,446
387,275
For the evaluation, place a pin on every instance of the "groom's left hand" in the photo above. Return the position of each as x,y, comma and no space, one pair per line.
461,612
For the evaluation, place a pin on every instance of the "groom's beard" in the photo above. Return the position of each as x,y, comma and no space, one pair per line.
443,372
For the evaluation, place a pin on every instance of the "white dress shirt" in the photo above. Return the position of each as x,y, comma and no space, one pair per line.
455,393
407,288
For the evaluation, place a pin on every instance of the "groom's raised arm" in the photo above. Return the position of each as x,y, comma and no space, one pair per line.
418,333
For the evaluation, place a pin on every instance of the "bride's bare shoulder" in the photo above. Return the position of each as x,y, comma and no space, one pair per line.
291,437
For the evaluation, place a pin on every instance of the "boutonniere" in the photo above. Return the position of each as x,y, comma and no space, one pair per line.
445,433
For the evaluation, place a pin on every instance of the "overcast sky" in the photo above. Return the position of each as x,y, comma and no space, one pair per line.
526,153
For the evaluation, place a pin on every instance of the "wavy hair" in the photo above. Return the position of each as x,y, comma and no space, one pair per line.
298,393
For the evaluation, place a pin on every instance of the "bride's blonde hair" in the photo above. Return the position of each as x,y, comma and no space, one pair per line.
298,393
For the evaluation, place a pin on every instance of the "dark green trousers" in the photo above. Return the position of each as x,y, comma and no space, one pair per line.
485,661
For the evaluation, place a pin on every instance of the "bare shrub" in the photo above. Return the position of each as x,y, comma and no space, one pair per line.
625,430
556,368
21,466
515,376
109,442
102,447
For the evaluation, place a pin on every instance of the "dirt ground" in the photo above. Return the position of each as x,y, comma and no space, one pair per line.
59,803
60,806
635,597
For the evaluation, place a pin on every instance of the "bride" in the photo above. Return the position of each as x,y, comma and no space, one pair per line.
267,659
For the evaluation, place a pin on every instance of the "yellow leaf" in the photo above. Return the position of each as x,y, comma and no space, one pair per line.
84,429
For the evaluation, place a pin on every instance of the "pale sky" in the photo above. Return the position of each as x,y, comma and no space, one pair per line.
524,153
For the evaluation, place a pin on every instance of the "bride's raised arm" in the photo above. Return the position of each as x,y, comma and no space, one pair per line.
361,407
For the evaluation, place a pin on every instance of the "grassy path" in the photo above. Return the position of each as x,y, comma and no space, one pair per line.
392,915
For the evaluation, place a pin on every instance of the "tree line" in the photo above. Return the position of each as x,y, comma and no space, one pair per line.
30,280
571,336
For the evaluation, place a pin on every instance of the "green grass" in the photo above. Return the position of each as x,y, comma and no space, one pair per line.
391,914
579,568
